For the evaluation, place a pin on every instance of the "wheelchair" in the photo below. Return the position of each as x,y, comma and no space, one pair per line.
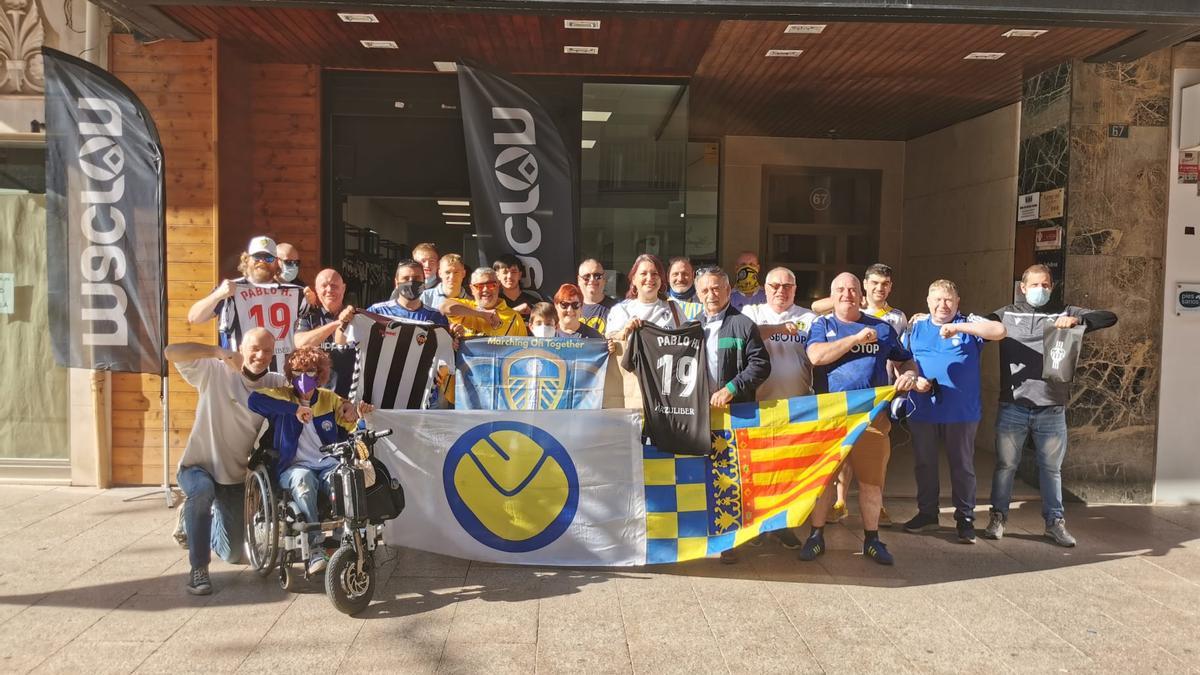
277,536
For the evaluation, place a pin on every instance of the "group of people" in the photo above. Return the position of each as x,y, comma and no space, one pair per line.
759,345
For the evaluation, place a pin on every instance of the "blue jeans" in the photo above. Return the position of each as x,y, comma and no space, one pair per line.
303,483
212,516
1014,423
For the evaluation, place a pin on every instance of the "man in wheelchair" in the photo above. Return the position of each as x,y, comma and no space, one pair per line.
305,417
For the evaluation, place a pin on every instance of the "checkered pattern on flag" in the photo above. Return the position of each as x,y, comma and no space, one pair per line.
770,461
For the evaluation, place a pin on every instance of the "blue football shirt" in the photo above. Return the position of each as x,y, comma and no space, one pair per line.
864,366
954,363
422,314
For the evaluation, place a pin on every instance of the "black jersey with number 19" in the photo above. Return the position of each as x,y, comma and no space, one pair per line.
673,375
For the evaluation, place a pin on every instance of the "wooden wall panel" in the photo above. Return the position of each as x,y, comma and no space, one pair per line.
285,121
242,146
177,83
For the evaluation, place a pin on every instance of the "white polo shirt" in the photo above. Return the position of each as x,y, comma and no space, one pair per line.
791,371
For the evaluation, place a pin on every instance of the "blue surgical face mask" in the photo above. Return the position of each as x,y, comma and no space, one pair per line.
304,384
1037,296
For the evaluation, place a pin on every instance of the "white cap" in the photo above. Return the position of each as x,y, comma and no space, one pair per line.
261,245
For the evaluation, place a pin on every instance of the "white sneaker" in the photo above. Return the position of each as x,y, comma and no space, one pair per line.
317,562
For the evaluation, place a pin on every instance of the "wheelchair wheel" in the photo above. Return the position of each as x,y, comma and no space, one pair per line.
262,523
290,578
348,590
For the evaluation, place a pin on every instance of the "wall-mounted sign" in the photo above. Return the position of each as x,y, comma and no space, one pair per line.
819,199
1052,204
7,283
1118,131
1027,206
1189,168
1187,299
1047,238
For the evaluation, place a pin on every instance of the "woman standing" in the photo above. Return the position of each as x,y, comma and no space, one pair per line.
568,302
646,301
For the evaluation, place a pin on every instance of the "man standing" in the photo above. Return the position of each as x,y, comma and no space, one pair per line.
487,314
783,326
327,326
851,350
680,276
406,304
1030,404
212,470
509,272
259,267
426,255
738,362
747,289
947,347
877,282
452,273
289,264
595,303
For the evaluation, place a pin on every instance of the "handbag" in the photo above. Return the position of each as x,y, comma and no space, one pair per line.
1060,352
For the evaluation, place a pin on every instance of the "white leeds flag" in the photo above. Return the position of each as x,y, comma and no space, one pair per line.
518,487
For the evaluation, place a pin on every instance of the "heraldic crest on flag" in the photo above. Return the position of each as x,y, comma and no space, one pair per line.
544,488
770,461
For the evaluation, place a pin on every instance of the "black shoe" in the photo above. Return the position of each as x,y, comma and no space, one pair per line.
922,522
788,539
198,583
813,547
729,557
966,532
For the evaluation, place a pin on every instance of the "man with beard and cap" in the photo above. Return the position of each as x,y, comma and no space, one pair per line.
259,267
1032,405
486,314
595,303
746,287
327,325
851,350
406,302
212,470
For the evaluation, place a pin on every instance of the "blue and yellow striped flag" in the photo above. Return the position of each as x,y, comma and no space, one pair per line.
770,462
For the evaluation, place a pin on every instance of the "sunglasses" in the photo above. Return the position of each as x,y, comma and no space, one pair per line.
290,262
570,305
485,285
264,257
593,276
776,287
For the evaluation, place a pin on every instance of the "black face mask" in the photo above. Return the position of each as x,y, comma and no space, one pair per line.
253,377
410,290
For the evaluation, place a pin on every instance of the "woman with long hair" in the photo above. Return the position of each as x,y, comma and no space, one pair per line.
646,301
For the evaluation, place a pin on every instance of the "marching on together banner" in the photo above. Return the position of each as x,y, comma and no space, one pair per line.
546,488
528,373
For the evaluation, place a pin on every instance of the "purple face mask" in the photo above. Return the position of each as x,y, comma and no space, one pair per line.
304,384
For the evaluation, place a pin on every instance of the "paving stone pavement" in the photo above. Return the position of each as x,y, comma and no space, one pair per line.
91,581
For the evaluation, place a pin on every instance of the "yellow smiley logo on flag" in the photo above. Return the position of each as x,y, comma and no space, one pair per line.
511,486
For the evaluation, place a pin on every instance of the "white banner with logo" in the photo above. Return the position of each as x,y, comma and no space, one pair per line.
543,488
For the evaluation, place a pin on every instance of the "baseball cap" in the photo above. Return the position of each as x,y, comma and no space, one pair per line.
261,245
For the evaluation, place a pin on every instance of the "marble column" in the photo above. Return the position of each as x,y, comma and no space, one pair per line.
1115,220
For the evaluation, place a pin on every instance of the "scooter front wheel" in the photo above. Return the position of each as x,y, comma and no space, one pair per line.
348,589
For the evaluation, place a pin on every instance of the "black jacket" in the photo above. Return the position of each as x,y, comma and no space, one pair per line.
742,359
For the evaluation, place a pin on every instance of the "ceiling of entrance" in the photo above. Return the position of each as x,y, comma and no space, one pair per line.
852,80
